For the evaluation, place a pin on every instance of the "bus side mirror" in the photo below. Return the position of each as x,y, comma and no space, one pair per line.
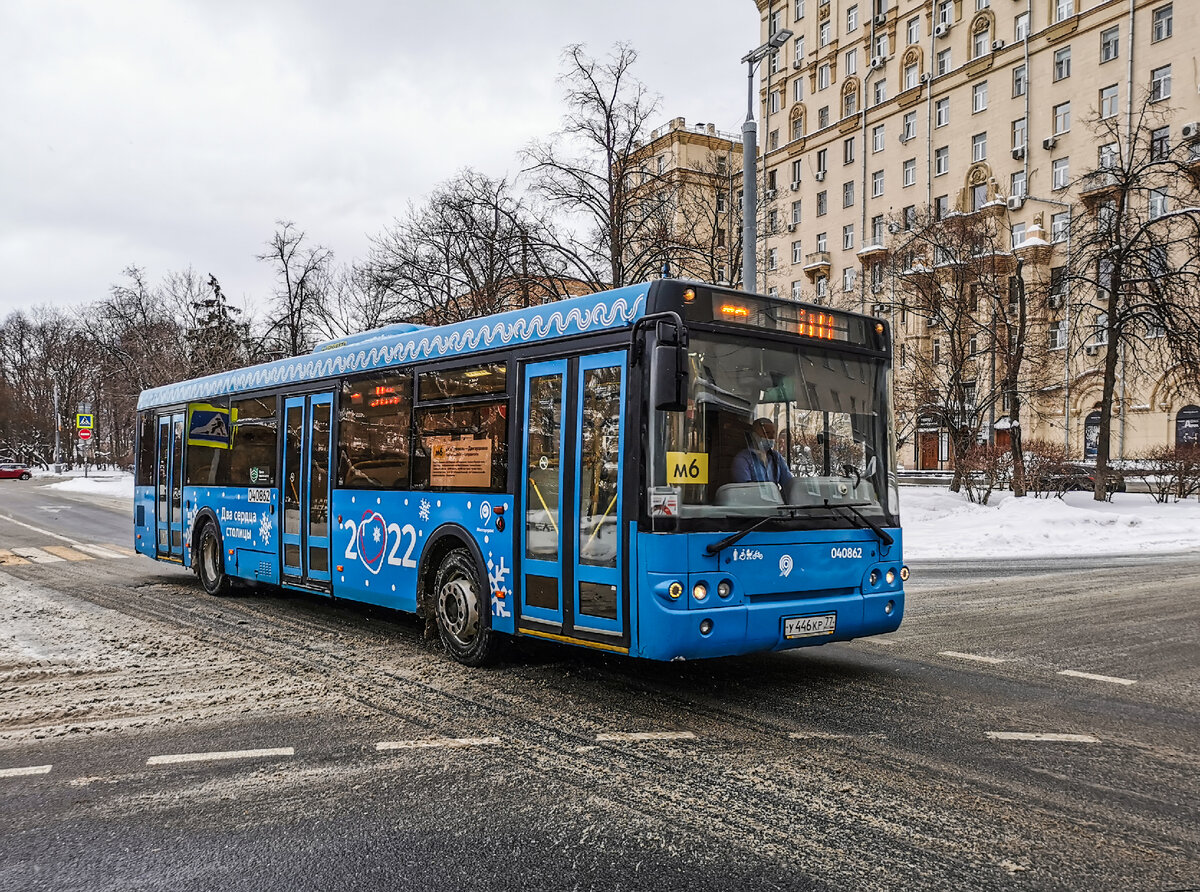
668,377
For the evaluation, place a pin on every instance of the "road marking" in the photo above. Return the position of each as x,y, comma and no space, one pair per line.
833,735
1042,737
66,553
7,557
24,772
37,555
435,742
1092,677
976,658
627,737
27,526
218,757
103,551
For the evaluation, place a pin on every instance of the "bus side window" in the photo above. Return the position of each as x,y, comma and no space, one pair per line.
374,427
208,443
255,440
146,439
462,447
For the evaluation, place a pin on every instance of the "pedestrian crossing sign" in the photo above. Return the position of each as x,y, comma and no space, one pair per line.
84,419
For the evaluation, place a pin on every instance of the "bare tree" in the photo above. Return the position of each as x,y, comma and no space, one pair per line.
590,172
1134,265
706,241
302,274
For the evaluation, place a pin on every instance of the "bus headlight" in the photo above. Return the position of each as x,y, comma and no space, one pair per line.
874,577
890,577
904,574
699,591
675,589
724,588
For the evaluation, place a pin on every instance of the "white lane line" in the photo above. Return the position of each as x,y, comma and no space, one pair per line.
27,526
37,555
627,737
100,551
975,658
449,742
1042,737
833,735
1092,677
218,757
25,772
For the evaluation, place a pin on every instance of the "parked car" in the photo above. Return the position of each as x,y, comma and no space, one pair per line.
1076,477
15,471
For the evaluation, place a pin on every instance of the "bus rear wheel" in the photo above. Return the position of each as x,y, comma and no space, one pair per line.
210,566
463,611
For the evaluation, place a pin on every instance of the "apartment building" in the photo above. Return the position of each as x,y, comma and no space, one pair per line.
876,109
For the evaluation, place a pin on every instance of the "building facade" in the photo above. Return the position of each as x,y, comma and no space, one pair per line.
875,111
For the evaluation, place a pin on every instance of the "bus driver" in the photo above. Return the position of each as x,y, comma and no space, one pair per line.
761,461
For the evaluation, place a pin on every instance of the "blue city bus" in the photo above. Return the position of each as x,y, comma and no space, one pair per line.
575,471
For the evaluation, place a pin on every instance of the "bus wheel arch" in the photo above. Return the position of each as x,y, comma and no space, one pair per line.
454,596
208,555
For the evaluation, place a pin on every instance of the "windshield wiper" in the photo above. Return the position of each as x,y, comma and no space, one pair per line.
884,536
715,547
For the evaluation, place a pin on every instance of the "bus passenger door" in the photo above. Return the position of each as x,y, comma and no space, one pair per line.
542,527
168,483
599,434
306,485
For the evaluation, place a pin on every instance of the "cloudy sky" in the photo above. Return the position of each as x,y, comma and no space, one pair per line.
174,133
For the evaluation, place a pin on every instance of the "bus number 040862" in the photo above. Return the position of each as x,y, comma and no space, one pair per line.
408,531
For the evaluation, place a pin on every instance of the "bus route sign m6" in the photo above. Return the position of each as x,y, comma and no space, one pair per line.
85,433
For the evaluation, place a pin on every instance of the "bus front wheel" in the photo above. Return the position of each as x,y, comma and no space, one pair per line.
209,564
463,610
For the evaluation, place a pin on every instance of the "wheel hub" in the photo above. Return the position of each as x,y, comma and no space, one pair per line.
458,608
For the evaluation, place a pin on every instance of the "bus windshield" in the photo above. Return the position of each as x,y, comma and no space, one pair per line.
772,426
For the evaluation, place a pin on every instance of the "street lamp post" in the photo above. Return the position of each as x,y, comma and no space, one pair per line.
750,161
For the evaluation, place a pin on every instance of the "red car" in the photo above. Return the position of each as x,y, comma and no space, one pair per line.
15,471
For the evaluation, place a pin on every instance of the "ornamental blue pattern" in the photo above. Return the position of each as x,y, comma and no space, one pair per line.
609,309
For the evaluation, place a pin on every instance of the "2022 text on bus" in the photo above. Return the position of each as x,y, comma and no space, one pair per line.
567,471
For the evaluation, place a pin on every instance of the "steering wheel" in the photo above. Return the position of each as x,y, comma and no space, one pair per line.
851,471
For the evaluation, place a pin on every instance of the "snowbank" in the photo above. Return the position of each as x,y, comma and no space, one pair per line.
99,483
939,524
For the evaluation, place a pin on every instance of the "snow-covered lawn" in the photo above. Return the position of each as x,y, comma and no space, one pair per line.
111,484
939,524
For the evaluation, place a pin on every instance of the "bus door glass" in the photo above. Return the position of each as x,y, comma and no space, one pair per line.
542,531
168,482
305,483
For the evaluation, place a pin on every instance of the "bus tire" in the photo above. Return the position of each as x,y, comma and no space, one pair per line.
462,610
210,566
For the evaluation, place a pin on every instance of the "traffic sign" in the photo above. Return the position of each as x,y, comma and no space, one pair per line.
85,433
84,419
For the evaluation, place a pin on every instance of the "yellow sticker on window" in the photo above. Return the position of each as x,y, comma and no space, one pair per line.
687,467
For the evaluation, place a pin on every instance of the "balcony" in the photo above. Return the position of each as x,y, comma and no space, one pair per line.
872,249
816,264
1098,185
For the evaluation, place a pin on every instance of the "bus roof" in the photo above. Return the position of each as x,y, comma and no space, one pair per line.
594,312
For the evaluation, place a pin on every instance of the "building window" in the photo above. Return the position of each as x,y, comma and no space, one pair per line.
1016,184
823,117
877,184
941,206
1061,173
1018,234
823,76
822,203
772,258
772,221
1058,335
1062,63
910,172
1160,144
912,30
941,161
1100,330
912,76
1059,224
937,351
720,202
945,12
848,277
849,103
796,211
797,252
1110,44
852,18
848,194
774,101
797,126
877,230
798,49
981,43
943,62
848,237
822,242
797,169
1020,133
877,138
822,156
797,89
822,286
1063,9
881,45
1062,118
1108,156
799,13
910,127
1164,22
774,22
1108,101
941,112
978,196
773,139
851,62
824,34
979,147
1158,203
979,97
797,289
909,214
1160,83
1021,27
775,63
879,90
848,151
1020,82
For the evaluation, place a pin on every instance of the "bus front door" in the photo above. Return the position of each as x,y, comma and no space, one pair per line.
168,483
305,490
571,544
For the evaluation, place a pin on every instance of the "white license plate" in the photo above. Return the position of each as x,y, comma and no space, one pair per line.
808,626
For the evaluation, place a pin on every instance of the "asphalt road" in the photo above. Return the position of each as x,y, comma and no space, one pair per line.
881,764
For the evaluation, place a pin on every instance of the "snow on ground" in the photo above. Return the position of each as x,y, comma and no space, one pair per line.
939,524
112,484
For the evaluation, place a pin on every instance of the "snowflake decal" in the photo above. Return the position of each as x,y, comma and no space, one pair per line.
497,573
375,533
264,529
499,608
424,512
189,520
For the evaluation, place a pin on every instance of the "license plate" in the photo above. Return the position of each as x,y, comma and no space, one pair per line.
809,626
